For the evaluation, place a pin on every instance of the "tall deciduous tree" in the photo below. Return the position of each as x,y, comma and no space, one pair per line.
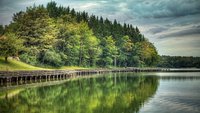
10,45
146,52
109,51
125,49
35,27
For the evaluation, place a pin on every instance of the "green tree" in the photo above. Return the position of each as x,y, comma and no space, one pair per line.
35,27
1,30
77,41
147,53
125,49
94,50
10,45
52,9
67,40
109,51
52,58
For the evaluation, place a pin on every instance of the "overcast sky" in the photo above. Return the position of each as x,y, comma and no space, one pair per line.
172,25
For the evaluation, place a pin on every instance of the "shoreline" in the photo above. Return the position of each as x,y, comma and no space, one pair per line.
8,78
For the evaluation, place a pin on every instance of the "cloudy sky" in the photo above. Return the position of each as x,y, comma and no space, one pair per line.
172,25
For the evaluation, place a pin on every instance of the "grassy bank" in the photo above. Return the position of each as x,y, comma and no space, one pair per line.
18,65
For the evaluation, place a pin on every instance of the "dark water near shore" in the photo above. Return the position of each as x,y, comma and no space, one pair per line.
109,93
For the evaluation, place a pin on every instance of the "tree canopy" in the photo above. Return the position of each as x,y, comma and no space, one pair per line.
56,36
10,45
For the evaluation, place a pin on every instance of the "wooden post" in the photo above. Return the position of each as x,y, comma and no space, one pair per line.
35,79
8,81
21,81
25,80
1,81
17,80
40,78
46,78
30,79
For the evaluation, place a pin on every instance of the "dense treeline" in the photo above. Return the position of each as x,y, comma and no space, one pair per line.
179,62
57,36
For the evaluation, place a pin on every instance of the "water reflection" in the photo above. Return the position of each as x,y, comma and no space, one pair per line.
119,93
177,93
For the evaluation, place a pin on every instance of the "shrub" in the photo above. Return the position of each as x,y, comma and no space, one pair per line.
52,58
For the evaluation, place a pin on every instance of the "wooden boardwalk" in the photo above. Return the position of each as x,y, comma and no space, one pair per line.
8,78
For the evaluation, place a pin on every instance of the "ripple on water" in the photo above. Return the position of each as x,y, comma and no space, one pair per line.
175,97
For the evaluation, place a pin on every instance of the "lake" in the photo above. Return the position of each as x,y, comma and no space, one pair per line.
109,93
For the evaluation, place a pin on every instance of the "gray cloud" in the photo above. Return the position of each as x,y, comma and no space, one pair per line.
187,32
157,30
164,8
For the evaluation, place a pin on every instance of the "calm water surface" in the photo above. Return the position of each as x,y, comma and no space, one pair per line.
180,94
109,93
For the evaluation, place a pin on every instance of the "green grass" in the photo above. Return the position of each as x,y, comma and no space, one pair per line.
18,65
72,67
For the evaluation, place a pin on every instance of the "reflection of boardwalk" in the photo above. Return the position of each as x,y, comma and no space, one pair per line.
179,77
8,78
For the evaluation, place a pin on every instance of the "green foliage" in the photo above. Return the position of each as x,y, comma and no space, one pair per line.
52,58
1,30
136,61
78,39
179,62
125,47
52,9
27,58
10,45
109,51
147,53
16,65
35,27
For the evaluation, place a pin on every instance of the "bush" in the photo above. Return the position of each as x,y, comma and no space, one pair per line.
28,59
52,58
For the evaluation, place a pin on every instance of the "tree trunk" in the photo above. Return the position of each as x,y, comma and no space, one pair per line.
6,59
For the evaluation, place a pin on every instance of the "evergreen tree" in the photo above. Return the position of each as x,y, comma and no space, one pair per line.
1,30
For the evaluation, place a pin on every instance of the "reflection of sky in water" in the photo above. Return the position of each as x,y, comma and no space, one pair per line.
179,74
175,96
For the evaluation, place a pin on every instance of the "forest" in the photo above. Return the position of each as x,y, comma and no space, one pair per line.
179,62
56,36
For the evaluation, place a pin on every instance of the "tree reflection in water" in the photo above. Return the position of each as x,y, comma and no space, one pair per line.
111,93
